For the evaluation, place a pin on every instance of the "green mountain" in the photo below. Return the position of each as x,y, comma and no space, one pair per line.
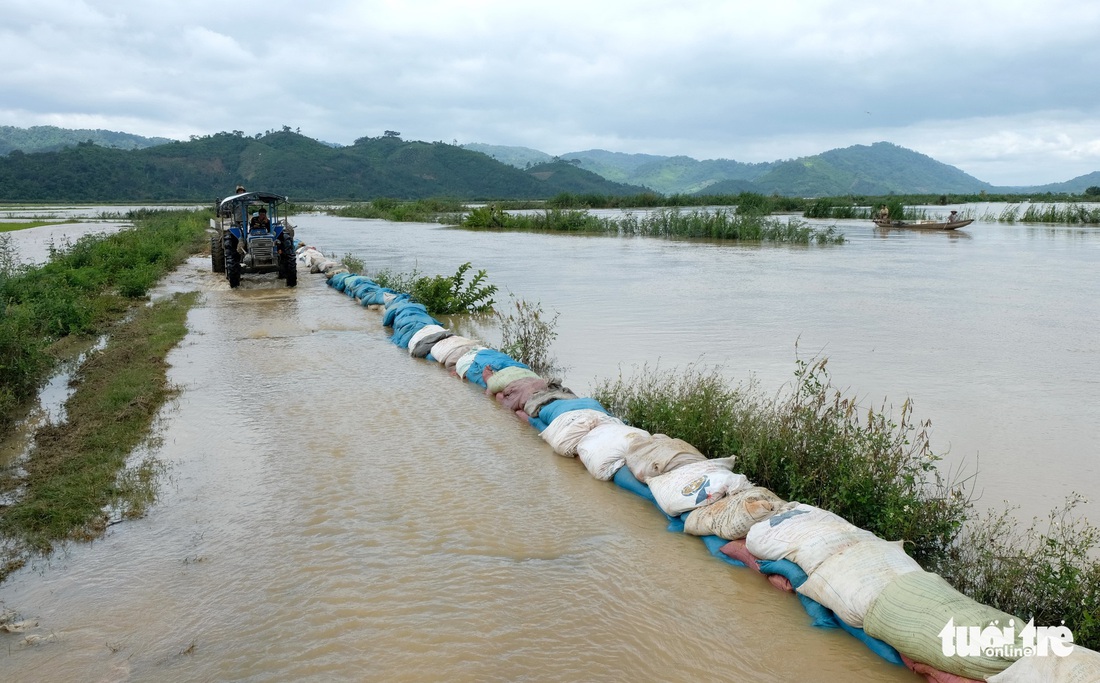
52,138
1076,185
877,169
880,168
667,175
520,157
285,162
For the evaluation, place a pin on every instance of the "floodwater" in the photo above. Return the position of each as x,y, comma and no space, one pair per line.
335,510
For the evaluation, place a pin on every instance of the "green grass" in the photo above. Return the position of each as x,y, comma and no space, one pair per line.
23,225
76,471
80,292
720,224
419,211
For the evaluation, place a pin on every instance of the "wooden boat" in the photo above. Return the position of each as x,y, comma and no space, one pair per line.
923,225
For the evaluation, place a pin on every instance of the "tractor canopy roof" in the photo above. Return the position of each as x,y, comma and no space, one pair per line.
252,198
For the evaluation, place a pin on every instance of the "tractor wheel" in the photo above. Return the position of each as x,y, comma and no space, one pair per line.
289,265
217,255
232,262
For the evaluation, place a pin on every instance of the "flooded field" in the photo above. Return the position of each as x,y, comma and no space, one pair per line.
335,510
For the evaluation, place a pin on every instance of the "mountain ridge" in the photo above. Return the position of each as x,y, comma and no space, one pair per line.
389,166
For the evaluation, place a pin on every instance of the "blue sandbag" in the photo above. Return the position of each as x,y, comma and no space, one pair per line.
624,478
490,358
785,568
675,525
549,412
396,307
823,617
337,280
714,547
879,647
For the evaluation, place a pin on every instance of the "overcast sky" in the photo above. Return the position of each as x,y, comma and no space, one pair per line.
1005,90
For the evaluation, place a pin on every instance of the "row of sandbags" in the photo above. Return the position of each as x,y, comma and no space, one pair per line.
845,576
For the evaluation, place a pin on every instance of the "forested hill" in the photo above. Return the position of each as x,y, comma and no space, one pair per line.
880,168
52,138
288,163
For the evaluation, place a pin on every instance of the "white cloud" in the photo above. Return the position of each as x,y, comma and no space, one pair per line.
972,84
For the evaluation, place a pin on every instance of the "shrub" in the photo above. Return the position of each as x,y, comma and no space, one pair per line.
814,445
527,335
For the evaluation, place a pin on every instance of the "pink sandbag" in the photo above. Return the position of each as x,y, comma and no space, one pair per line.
516,394
738,551
934,675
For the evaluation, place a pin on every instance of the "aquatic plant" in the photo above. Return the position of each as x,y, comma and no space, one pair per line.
443,295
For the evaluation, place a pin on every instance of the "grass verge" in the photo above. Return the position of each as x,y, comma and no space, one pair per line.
75,475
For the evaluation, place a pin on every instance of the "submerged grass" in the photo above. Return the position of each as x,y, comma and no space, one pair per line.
817,446
719,224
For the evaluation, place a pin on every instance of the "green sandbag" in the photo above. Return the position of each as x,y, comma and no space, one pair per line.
912,611
505,376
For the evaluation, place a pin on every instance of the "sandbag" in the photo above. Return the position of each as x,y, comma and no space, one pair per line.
463,364
934,675
649,456
423,347
499,379
850,581
1079,666
445,346
806,535
566,431
695,485
731,517
603,450
554,391
517,393
489,358
423,332
914,608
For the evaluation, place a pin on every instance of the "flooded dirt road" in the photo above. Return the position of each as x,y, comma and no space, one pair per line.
335,510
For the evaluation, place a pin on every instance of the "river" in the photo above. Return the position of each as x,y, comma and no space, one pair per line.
335,510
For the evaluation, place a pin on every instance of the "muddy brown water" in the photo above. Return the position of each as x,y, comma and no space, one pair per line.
334,510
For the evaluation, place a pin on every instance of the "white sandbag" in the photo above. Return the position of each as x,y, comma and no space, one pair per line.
696,484
603,450
732,516
653,454
805,535
850,581
1079,666
421,333
567,429
445,346
463,364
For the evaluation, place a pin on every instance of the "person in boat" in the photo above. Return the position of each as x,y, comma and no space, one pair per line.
884,213
260,220
953,217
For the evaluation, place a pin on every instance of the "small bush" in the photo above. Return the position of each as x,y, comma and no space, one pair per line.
1046,575
527,335
443,295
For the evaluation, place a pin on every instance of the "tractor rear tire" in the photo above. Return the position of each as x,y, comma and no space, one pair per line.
232,262
217,255
289,265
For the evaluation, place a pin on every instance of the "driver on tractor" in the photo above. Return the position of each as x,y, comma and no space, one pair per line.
260,220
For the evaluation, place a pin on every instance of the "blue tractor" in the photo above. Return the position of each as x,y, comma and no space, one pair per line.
251,234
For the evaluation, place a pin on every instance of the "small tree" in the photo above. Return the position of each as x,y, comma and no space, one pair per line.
1092,191
527,335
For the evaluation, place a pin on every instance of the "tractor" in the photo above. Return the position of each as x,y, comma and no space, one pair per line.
251,234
